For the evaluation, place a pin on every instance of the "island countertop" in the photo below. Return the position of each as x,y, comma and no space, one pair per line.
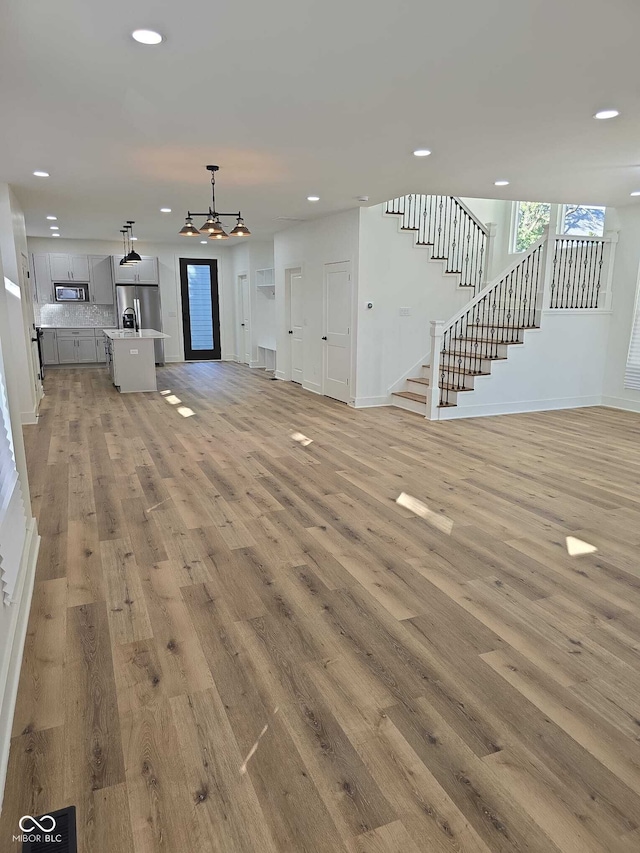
131,334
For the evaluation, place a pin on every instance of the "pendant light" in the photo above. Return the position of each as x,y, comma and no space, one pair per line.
124,262
241,229
133,257
189,229
212,226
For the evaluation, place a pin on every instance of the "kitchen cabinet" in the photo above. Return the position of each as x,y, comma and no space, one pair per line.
66,350
49,346
101,280
69,268
101,355
144,272
43,285
77,346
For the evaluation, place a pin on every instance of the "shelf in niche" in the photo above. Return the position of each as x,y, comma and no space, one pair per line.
266,281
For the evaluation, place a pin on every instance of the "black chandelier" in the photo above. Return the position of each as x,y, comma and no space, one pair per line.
130,256
213,226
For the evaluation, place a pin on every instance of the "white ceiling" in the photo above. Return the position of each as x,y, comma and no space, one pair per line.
293,97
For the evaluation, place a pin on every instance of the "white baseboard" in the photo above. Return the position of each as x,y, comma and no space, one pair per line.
14,648
370,402
173,359
621,403
515,408
280,375
315,387
30,417
258,364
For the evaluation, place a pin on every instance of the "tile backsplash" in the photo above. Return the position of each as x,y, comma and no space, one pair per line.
68,314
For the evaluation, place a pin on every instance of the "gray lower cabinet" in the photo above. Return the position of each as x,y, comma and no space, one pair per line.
66,350
49,346
79,346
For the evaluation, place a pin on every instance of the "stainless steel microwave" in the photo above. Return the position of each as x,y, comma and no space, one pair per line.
73,293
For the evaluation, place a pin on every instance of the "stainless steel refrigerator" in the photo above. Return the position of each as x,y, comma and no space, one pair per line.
145,301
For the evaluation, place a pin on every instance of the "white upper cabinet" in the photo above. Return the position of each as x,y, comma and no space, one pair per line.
144,272
43,286
69,268
147,270
101,281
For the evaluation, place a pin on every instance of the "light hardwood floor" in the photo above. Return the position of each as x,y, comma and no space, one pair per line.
241,644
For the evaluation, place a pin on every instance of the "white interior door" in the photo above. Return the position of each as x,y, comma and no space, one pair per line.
245,319
337,331
295,329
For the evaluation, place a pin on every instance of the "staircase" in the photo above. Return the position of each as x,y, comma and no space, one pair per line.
557,272
444,224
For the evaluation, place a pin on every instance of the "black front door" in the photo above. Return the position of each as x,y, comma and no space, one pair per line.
200,309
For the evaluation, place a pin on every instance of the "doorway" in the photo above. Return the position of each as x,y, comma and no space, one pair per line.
296,322
337,331
244,293
200,309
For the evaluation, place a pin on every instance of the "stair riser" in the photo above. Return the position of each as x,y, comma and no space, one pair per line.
417,387
410,405
505,336
457,379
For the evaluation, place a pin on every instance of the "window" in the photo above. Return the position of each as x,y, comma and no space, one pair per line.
632,372
531,218
582,220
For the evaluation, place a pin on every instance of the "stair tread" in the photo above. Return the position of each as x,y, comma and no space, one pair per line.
486,341
409,395
467,371
420,379
448,386
499,326
465,354
446,405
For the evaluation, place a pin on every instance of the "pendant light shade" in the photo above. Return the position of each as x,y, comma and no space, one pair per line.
209,226
133,257
189,229
219,233
241,229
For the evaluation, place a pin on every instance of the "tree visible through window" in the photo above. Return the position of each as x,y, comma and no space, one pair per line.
532,217
582,220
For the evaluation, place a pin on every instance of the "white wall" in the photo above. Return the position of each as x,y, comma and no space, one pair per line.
625,284
394,273
500,213
310,246
21,548
169,266
560,366
19,307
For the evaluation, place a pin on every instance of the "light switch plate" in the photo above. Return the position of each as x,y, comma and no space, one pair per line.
405,312
133,352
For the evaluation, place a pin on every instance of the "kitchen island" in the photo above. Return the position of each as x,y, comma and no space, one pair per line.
131,359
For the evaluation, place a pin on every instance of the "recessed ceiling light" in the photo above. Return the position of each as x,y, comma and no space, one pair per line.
501,183
54,227
147,36
41,174
133,238
313,198
52,218
204,242
165,210
55,235
636,192
603,114
421,152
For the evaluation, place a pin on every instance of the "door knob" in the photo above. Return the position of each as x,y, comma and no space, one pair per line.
324,337
242,324
290,331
